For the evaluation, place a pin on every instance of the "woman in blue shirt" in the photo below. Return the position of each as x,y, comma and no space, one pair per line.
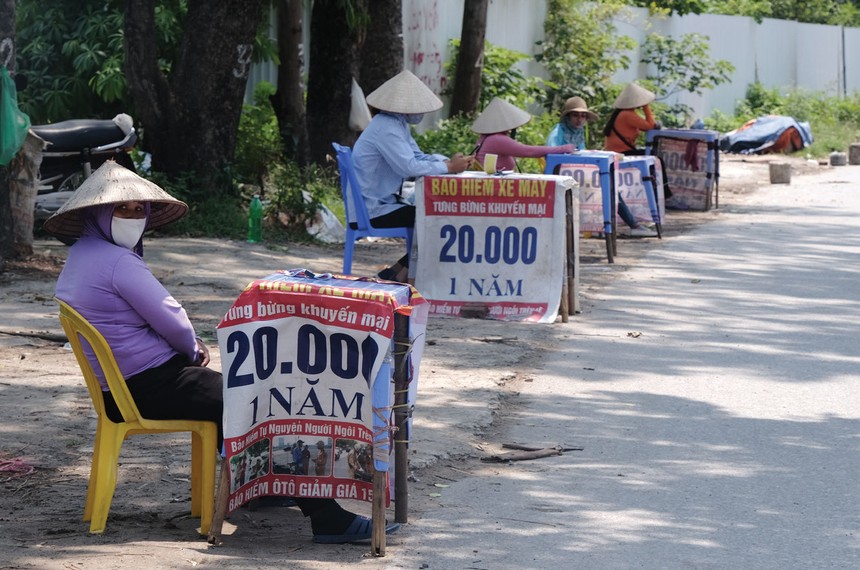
386,154
571,127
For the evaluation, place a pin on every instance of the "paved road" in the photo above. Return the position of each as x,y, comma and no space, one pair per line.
714,390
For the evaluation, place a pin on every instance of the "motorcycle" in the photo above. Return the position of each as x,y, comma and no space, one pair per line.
74,149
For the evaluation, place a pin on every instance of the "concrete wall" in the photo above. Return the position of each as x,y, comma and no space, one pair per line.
779,54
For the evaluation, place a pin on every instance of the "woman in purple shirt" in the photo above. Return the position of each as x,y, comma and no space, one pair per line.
162,360
106,280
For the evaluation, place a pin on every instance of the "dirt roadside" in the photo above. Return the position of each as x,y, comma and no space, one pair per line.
469,376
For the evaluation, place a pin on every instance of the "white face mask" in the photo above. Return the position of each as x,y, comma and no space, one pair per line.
126,232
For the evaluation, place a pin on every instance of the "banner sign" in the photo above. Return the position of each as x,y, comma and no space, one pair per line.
686,164
491,246
307,383
587,176
635,192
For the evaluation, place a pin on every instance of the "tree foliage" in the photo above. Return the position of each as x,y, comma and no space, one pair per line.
682,64
259,143
450,136
71,52
832,12
680,7
500,76
582,50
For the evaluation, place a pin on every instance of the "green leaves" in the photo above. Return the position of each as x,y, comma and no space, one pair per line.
72,54
682,65
449,136
582,50
500,77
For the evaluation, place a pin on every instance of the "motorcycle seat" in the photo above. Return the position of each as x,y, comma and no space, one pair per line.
78,134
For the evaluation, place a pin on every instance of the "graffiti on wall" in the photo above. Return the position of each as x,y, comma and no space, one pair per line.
426,55
243,60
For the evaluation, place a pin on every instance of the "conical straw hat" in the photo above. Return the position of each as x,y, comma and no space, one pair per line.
404,93
112,184
500,116
633,97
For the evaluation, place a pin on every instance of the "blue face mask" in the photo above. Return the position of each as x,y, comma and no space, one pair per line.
414,118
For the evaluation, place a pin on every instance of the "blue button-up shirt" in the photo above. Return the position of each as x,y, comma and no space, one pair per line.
384,156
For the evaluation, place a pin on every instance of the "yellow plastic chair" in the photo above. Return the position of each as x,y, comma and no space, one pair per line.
110,435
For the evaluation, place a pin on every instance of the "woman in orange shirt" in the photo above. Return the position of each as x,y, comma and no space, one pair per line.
625,124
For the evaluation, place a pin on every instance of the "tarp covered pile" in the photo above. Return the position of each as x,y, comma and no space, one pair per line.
768,134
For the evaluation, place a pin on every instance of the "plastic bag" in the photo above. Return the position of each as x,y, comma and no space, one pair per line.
325,226
359,112
13,123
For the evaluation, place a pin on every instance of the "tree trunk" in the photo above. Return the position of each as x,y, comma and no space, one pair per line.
289,101
7,57
23,188
470,61
382,52
190,119
333,64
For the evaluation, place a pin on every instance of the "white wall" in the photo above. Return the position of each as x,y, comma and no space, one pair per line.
852,63
428,25
779,54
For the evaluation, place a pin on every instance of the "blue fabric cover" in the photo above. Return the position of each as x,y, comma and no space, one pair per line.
762,134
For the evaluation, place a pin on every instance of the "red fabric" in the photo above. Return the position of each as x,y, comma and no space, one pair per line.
691,154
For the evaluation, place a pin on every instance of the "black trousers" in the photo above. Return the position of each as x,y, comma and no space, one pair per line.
403,217
175,391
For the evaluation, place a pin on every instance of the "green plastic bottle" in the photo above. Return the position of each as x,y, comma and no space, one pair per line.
255,221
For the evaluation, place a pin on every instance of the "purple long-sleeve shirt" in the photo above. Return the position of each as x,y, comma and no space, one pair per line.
114,289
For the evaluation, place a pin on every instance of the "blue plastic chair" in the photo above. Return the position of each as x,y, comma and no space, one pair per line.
356,210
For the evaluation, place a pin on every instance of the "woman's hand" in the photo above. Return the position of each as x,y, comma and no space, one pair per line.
202,353
458,163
